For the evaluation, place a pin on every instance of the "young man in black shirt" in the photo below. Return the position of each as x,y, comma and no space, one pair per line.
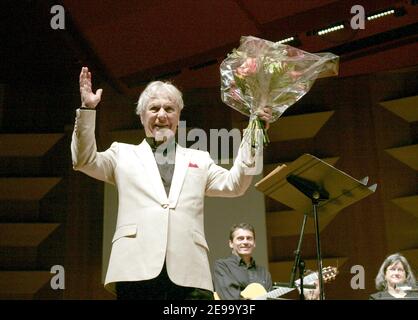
233,274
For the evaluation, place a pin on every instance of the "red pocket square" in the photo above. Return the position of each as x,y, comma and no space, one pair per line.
193,165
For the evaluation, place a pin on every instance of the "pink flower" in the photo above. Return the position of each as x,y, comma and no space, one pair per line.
247,68
234,91
295,74
235,94
294,52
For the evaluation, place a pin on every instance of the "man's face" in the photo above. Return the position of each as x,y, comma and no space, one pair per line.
243,242
160,118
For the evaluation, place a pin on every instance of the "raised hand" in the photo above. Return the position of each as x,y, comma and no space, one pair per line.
88,98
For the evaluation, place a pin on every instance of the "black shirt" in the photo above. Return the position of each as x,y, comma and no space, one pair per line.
232,275
164,155
384,295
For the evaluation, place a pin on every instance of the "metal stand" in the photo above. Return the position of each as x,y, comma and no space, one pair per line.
318,250
301,276
298,261
316,193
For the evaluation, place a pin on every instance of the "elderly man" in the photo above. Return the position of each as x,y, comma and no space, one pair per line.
159,250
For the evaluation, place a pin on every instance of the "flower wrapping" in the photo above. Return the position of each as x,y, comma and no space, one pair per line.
261,73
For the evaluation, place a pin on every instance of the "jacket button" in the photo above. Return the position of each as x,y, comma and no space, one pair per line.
165,206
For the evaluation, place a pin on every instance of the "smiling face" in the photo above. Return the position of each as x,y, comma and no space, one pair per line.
395,274
160,118
242,243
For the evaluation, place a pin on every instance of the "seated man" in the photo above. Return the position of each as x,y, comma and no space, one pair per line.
233,274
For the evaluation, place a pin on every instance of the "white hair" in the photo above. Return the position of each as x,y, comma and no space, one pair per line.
156,89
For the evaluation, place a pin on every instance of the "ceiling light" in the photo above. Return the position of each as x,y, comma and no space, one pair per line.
330,29
293,41
380,14
287,40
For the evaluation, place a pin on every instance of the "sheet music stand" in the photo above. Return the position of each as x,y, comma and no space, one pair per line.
311,186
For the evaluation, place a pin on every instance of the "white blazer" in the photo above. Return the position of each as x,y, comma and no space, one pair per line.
151,227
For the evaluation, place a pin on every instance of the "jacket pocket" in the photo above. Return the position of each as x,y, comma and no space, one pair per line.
199,239
125,231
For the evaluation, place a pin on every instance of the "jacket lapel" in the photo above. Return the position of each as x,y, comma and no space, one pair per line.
180,169
147,160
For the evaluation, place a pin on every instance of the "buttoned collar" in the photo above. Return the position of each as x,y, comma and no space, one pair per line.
241,262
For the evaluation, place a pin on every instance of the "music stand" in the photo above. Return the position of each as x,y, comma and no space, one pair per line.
311,186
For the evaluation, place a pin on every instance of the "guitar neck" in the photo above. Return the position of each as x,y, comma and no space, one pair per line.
278,292
283,290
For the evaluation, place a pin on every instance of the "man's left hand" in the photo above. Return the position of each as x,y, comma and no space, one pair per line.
265,115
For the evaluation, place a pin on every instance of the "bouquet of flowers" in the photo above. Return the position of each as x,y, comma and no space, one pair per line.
262,73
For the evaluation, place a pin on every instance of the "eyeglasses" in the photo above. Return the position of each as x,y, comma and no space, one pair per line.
396,269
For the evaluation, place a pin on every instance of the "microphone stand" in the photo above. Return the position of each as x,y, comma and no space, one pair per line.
298,261
301,275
